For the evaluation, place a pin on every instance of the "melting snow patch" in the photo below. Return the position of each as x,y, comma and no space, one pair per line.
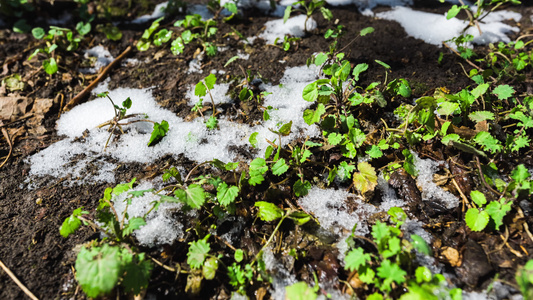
81,155
438,29
294,26
329,207
431,191
103,58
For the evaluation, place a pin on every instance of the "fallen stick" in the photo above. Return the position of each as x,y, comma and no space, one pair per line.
80,97
6,135
15,279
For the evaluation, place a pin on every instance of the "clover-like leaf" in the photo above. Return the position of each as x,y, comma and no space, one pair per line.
268,211
198,251
476,220
227,194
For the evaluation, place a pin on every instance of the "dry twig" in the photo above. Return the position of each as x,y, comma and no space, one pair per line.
6,135
81,96
15,279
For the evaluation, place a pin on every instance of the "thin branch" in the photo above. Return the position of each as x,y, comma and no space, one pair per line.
81,96
15,279
8,139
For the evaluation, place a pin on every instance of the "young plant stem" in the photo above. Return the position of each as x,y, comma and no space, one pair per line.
287,213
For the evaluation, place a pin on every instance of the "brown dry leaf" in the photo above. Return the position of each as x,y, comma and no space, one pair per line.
160,54
440,180
452,255
13,107
40,108
465,132
482,126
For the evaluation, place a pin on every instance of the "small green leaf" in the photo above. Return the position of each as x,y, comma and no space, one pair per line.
38,33
280,167
177,46
193,196
210,268
314,116
239,255
520,173
503,91
310,92
133,224
212,122
478,198
300,291
123,187
374,152
287,13
210,81
497,211
162,36
453,12
476,220
300,217
366,31
268,211
334,138
197,253
72,223
423,274
357,70
50,66
481,115
253,139
301,188
488,142
136,275
382,64
356,258
420,244
231,60
390,272
158,133
285,129
227,194
98,269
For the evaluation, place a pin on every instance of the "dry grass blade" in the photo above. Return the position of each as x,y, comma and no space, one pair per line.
6,135
15,279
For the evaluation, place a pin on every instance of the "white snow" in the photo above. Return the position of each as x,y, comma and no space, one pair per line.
431,191
103,58
438,29
74,155
329,207
294,26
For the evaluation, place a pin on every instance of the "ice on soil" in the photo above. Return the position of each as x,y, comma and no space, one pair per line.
438,29
161,225
430,190
294,26
83,157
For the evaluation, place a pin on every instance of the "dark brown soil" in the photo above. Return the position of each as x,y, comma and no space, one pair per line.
30,244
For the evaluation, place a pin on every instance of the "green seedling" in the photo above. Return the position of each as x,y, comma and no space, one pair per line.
115,261
390,269
58,38
159,131
202,89
288,41
309,8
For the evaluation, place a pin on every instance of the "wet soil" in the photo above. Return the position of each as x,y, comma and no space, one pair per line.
30,244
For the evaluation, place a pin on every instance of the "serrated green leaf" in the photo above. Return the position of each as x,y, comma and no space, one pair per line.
301,188
481,115
98,269
197,253
212,122
137,275
503,91
520,173
488,142
227,194
366,179
334,138
280,167
72,223
390,272
374,152
268,211
210,81
498,210
476,220
356,258
345,170
133,224
200,89
447,108
480,90
123,187
193,196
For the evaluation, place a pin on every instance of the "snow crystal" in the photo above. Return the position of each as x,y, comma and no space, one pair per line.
329,207
161,227
294,26
438,29
195,66
103,58
431,191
